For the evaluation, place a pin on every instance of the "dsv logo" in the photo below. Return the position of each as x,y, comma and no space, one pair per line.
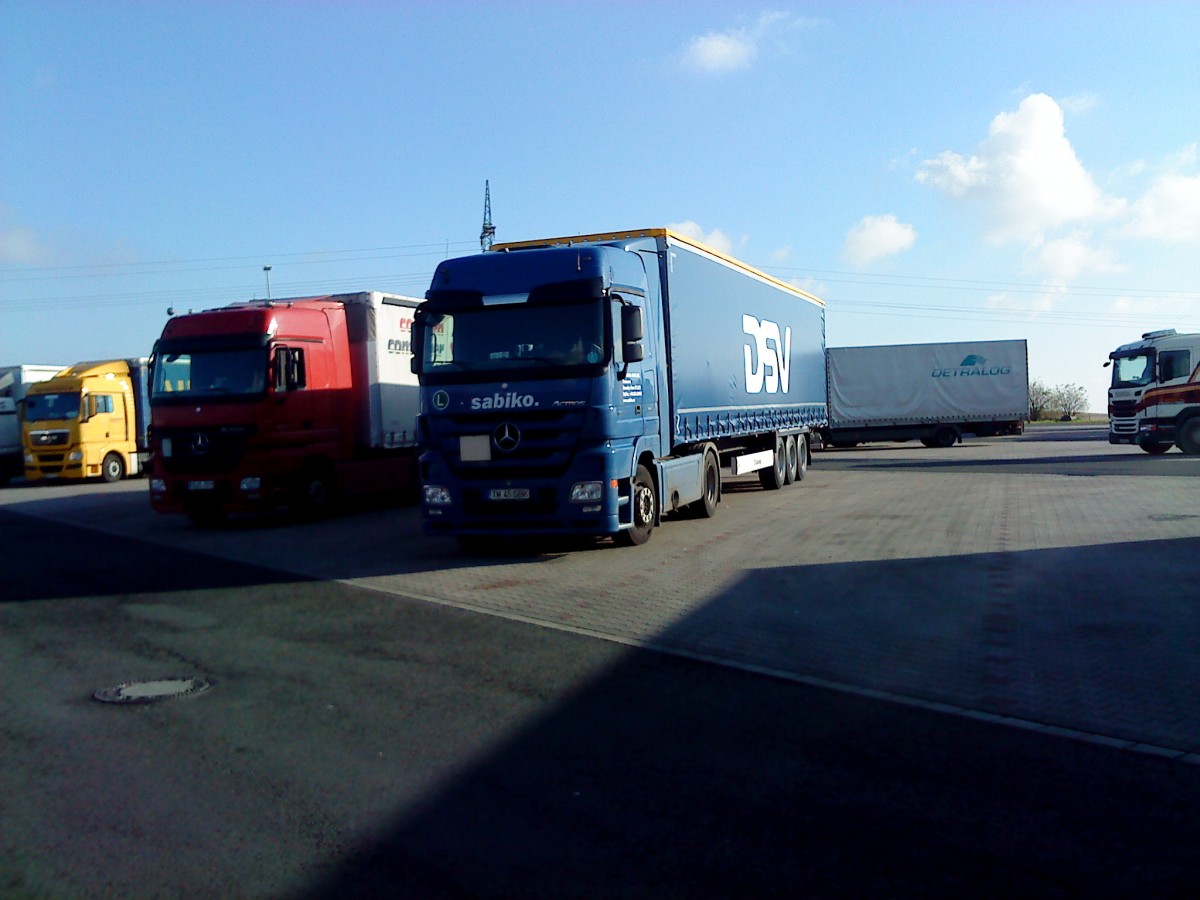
767,364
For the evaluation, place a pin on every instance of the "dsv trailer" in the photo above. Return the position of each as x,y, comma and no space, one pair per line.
586,385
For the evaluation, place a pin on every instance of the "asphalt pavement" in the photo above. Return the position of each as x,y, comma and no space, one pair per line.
909,675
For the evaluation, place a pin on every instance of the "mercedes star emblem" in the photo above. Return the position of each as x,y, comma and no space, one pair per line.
506,437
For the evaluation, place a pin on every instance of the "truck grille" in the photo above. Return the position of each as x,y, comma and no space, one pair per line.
48,438
545,442
1122,409
204,450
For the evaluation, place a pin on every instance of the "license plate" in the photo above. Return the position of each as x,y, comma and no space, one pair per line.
200,485
508,494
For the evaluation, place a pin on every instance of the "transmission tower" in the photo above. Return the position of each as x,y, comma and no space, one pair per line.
489,230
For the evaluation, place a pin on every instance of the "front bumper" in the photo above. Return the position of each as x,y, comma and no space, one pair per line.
204,493
483,506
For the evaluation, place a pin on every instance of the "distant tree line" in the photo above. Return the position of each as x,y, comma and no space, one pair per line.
1062,402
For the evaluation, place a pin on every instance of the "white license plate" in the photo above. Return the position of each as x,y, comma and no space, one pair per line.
508,494
200,485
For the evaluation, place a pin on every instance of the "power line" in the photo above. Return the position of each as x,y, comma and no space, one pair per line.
969,284
227,263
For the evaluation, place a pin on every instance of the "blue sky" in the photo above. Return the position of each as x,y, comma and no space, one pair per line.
934,171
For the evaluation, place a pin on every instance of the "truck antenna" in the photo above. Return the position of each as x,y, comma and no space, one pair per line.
489,230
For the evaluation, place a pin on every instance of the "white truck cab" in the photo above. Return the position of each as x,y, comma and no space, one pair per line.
1154,398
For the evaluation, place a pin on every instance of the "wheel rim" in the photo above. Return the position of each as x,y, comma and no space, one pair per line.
643,506
317,493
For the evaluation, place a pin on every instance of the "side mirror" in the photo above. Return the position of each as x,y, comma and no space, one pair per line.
631,324
416,342
89,409
632,334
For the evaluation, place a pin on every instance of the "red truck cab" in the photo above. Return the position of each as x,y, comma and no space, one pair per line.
277,403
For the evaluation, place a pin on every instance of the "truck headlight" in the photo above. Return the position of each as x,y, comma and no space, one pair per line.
436,495
587,491
158,486
75,456
251,483
29,459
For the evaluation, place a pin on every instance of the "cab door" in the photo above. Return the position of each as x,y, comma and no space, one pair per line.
304,417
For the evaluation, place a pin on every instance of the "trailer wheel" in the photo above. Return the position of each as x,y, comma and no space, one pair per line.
944,436
645,506
790,461
775,477
706,506
1188,437
1156,449
801,457
112,468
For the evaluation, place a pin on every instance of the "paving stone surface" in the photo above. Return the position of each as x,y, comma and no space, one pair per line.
1051,579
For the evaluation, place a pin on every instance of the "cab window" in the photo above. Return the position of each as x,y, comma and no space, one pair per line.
1174,364
290,373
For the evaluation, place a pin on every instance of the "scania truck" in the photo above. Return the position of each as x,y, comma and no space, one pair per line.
90,420
932,393
588,385
295,403
14,384
1154,398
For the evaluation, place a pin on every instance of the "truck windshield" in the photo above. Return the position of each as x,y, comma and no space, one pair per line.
1133,371
210,373
542,339
51,407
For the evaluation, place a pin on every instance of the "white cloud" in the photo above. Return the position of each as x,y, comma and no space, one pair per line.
1185,158
1042,302
1066,258
20,246
875,237
735,49
1025,175
1080,103
781,255
1169,211
810,285
717,239
720,53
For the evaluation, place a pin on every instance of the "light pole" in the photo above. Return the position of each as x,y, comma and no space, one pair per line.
267,269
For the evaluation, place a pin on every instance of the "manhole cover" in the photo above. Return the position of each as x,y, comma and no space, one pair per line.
150,691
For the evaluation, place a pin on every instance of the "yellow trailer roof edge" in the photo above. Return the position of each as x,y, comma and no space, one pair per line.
667,233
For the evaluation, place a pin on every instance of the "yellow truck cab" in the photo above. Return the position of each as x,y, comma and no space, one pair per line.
88,421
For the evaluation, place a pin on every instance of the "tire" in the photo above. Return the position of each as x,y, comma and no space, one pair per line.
774,477
316,492
944,437
112,469
710,486
801,457
644,503
1188,436
789,456
1156,449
